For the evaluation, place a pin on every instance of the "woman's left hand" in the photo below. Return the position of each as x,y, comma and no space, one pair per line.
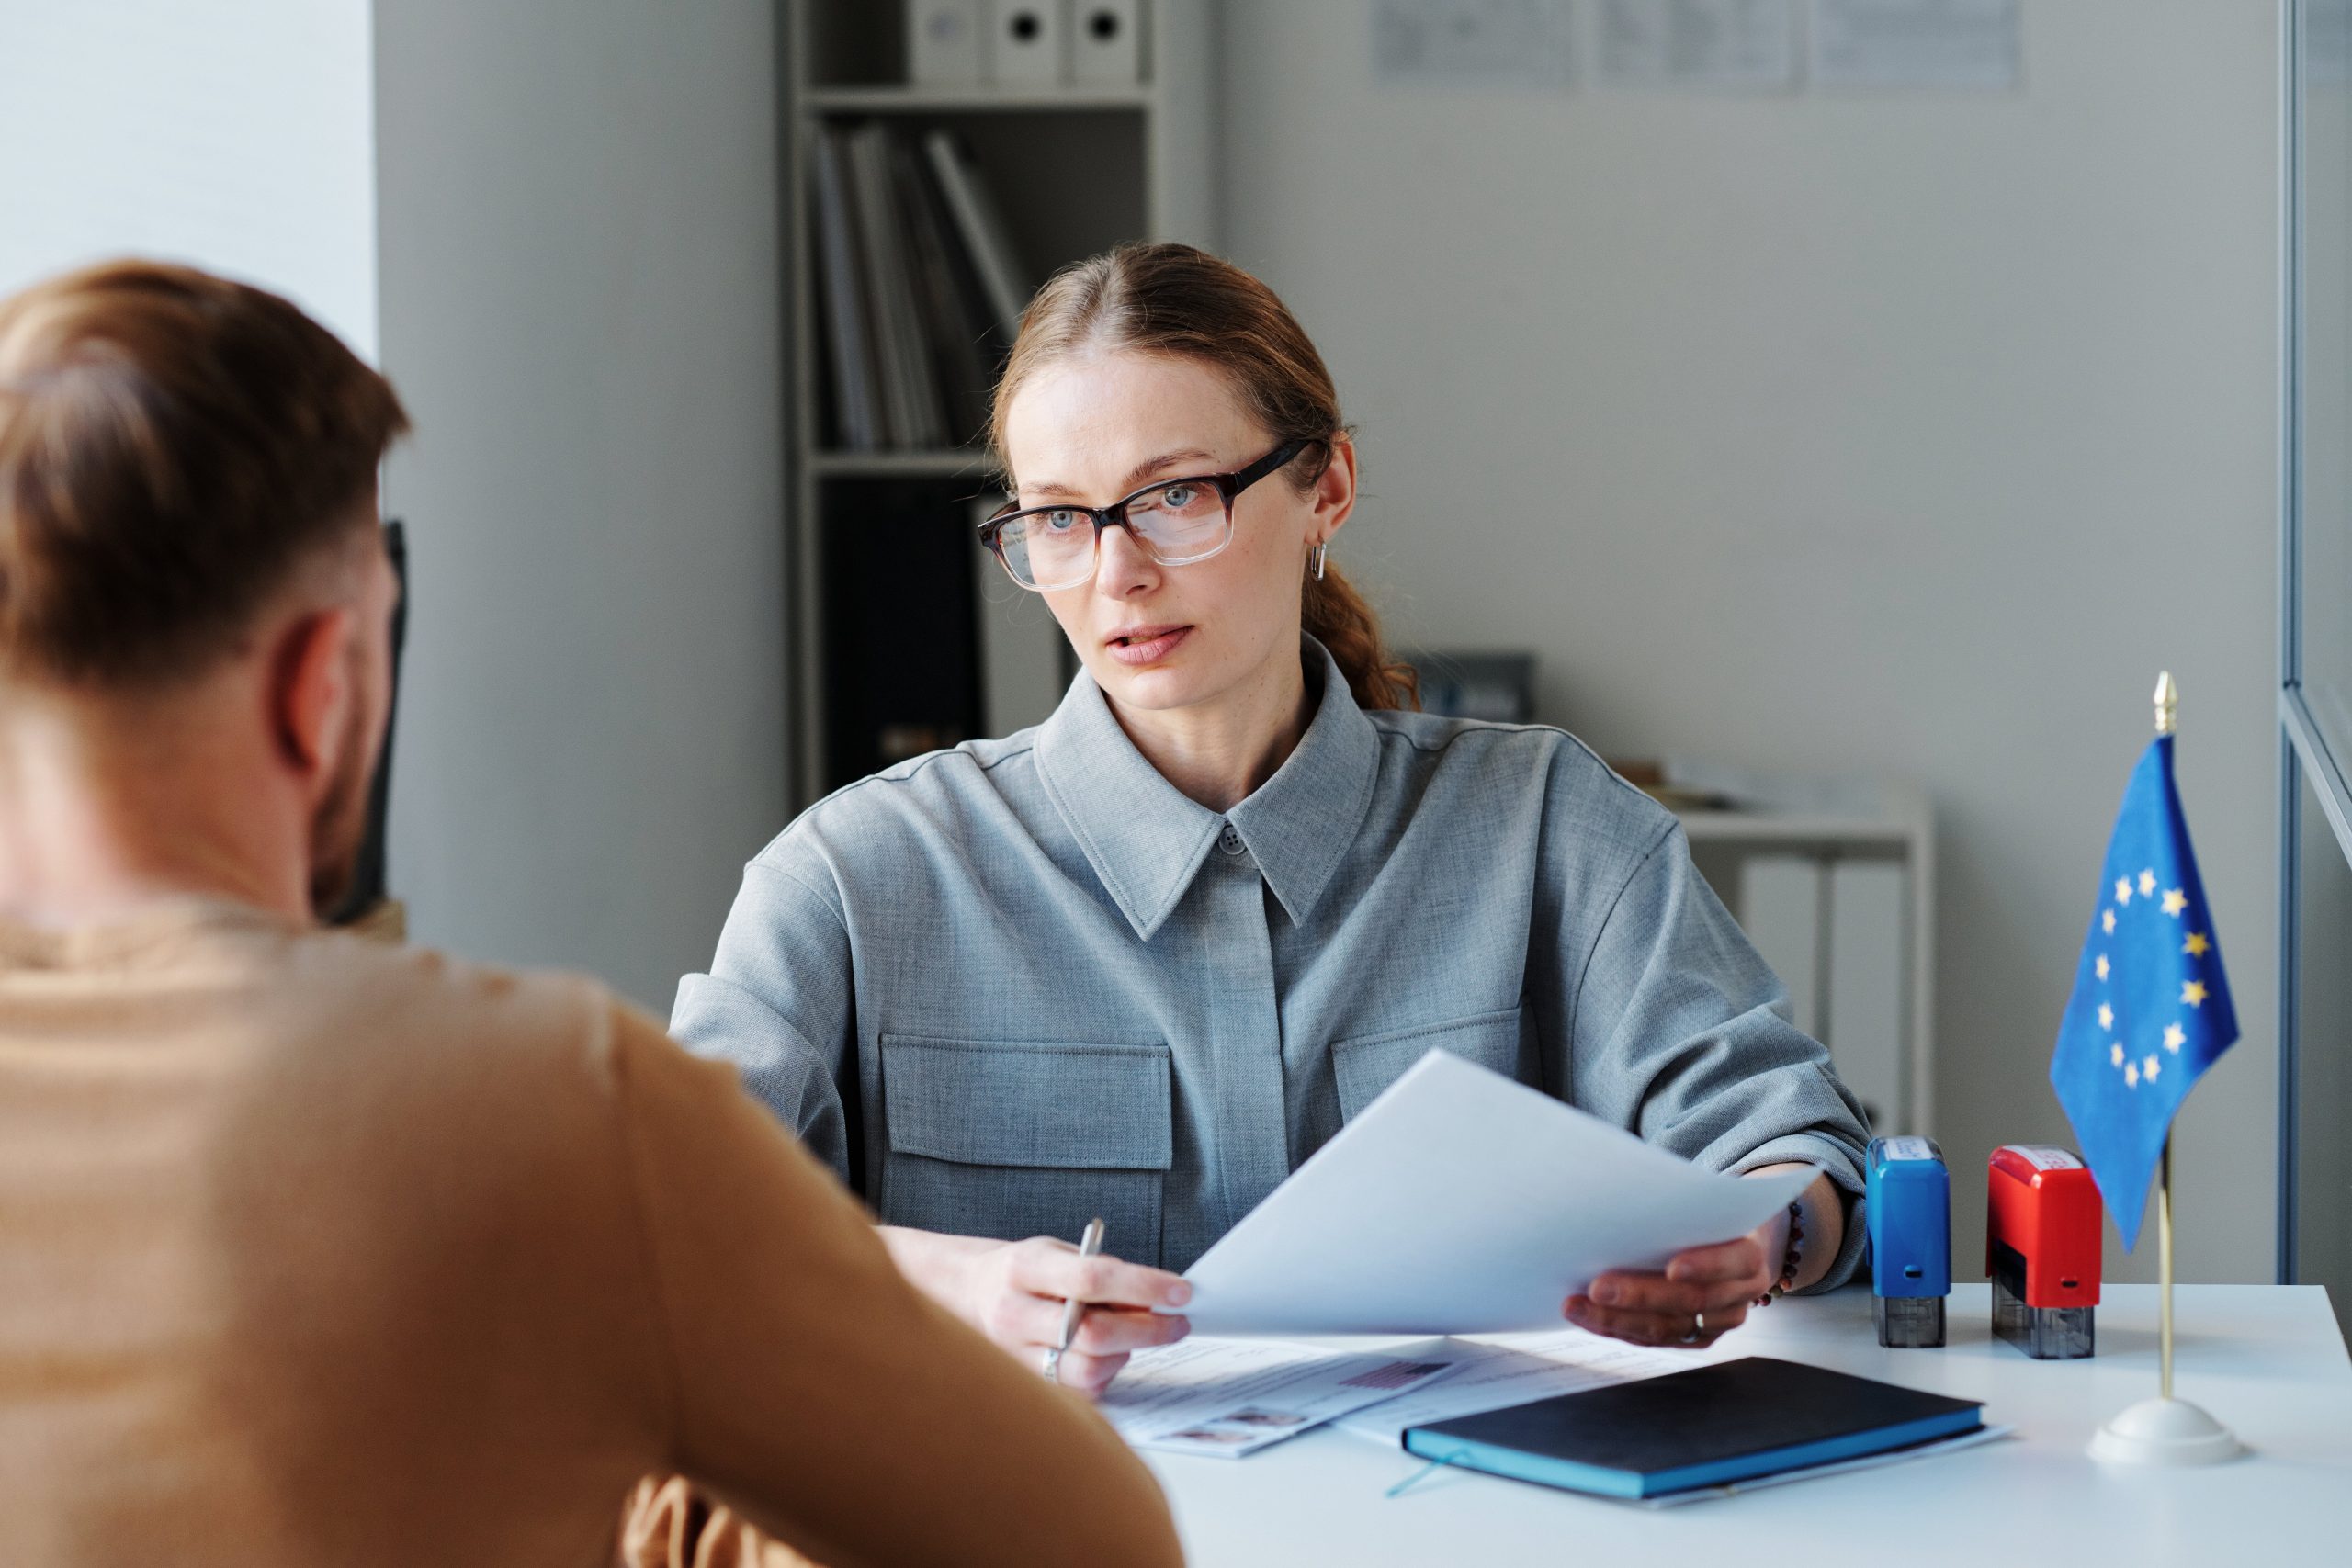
1704,1291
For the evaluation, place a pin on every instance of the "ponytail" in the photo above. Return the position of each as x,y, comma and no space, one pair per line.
1336,615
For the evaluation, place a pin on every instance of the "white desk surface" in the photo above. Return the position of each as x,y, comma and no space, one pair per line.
2266,1360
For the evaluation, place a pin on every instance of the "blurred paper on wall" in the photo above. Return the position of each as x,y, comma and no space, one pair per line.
1699,43
1970,44
1523,43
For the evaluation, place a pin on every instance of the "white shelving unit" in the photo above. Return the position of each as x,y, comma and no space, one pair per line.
1884,824
1075,170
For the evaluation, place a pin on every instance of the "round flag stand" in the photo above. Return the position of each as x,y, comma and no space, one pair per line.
2164,1430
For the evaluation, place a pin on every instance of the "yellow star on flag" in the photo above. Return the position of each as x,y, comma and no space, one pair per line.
2102,966
2132,1074
2107,921
2124,890
2147,883
2148,1069
2196,945
2175,1038
2106,1016
2193,992
2175,901
2115,1053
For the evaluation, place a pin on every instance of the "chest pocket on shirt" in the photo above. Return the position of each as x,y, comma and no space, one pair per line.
1370,1062
1013,1140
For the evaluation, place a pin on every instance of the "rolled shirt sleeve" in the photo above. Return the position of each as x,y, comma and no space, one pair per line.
778,1003
1680,1030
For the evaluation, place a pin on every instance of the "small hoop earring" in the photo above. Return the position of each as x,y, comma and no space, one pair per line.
1316,561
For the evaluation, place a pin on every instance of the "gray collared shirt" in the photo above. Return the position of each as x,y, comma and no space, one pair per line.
1006,987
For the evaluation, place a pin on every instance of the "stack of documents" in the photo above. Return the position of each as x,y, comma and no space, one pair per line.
1457,1202
1230,1397
1461,1202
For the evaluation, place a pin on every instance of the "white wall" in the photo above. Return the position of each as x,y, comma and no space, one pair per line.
580,298
1903,433
236,136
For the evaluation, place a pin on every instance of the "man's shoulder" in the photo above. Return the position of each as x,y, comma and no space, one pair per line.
440,1013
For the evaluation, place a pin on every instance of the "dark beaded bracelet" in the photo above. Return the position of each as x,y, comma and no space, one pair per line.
1789,1259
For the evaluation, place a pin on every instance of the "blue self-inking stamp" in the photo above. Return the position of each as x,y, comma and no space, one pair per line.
1908,1209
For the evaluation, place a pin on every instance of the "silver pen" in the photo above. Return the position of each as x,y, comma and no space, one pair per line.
1074,1309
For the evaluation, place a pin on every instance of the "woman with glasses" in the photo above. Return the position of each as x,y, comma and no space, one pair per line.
1142,960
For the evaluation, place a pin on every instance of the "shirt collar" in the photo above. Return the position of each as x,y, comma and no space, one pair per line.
1147,840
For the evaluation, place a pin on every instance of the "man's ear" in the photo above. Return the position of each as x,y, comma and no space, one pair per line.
310,690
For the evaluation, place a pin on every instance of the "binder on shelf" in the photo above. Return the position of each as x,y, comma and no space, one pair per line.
921,292
1106,43
982,228
855,422
948,42
1029,42
908,389
956,333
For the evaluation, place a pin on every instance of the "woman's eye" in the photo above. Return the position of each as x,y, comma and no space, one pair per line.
1058,522
1178,497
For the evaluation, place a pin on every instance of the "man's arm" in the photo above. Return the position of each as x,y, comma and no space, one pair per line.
827,1401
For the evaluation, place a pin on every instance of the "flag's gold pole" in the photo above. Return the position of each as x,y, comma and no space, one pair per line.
2164,1254
2167,705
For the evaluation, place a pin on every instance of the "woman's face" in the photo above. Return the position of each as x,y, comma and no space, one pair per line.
1096,428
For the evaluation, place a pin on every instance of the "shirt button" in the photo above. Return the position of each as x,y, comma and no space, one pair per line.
1228,841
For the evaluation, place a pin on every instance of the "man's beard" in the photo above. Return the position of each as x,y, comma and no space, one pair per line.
339,830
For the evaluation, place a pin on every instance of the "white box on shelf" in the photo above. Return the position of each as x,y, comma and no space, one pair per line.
1029,42
948,42
1779,908
1864,1009
1106,43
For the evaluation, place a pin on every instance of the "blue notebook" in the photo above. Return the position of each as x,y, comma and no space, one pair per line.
1713,1424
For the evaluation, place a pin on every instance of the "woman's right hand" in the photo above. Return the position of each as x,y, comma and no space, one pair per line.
1014,1292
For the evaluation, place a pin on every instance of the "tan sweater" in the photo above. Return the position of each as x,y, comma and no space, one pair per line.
315,1251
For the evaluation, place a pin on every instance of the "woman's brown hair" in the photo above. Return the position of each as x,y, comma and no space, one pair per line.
1180,300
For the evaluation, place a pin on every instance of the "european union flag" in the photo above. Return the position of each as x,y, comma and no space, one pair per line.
2151,1010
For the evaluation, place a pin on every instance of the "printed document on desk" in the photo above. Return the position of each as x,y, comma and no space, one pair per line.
1231,1397
1461,1202
1511,1369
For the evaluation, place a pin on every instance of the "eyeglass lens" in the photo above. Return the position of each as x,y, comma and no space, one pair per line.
1176,524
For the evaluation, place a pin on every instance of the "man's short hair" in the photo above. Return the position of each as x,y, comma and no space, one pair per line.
174,447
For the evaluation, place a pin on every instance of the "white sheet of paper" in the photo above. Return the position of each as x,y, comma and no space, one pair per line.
1699,43
1511,1369
1230,1397
1461,1202
1977,44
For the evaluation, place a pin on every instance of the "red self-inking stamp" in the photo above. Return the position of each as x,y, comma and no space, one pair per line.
2042,1246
